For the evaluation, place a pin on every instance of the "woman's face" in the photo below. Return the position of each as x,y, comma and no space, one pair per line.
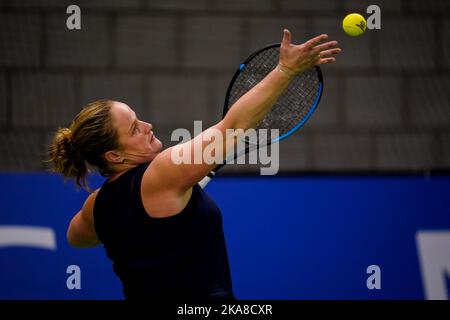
138,143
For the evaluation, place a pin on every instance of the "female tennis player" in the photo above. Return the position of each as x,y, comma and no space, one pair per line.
162,232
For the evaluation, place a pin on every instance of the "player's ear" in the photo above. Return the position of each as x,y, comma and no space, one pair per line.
113,156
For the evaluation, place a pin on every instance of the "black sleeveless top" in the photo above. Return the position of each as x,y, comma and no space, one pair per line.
182,256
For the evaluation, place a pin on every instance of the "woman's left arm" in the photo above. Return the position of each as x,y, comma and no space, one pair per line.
81,231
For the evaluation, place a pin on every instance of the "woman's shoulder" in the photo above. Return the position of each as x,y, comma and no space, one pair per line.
88,207
158,200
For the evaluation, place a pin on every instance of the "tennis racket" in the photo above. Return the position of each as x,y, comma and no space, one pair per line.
289,113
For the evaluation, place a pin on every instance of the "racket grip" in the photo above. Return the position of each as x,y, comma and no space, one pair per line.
206,179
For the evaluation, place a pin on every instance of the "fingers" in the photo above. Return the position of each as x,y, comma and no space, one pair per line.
286,38
304,56
324,56
314,41
327,53
325,46
326,60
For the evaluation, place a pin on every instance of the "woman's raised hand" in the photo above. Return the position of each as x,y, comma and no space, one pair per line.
295,59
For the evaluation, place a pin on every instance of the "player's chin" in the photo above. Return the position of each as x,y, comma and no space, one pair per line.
156,144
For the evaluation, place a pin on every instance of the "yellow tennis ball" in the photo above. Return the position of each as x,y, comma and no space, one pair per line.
354,24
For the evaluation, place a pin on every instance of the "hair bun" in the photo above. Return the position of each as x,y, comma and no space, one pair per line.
66,137
84,142
66,144
65,134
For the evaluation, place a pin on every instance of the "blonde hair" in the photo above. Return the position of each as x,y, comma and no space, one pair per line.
85,143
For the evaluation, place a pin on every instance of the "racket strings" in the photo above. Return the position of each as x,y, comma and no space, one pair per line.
292,107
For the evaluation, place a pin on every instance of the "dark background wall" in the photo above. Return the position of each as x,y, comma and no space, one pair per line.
385,105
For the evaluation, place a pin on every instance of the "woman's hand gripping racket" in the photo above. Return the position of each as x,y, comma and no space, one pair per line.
298,102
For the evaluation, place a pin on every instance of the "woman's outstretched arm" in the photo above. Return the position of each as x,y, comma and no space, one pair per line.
163,174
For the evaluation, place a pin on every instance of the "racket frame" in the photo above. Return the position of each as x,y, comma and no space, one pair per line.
241,68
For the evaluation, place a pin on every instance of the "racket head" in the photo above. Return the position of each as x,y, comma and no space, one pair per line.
292,109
